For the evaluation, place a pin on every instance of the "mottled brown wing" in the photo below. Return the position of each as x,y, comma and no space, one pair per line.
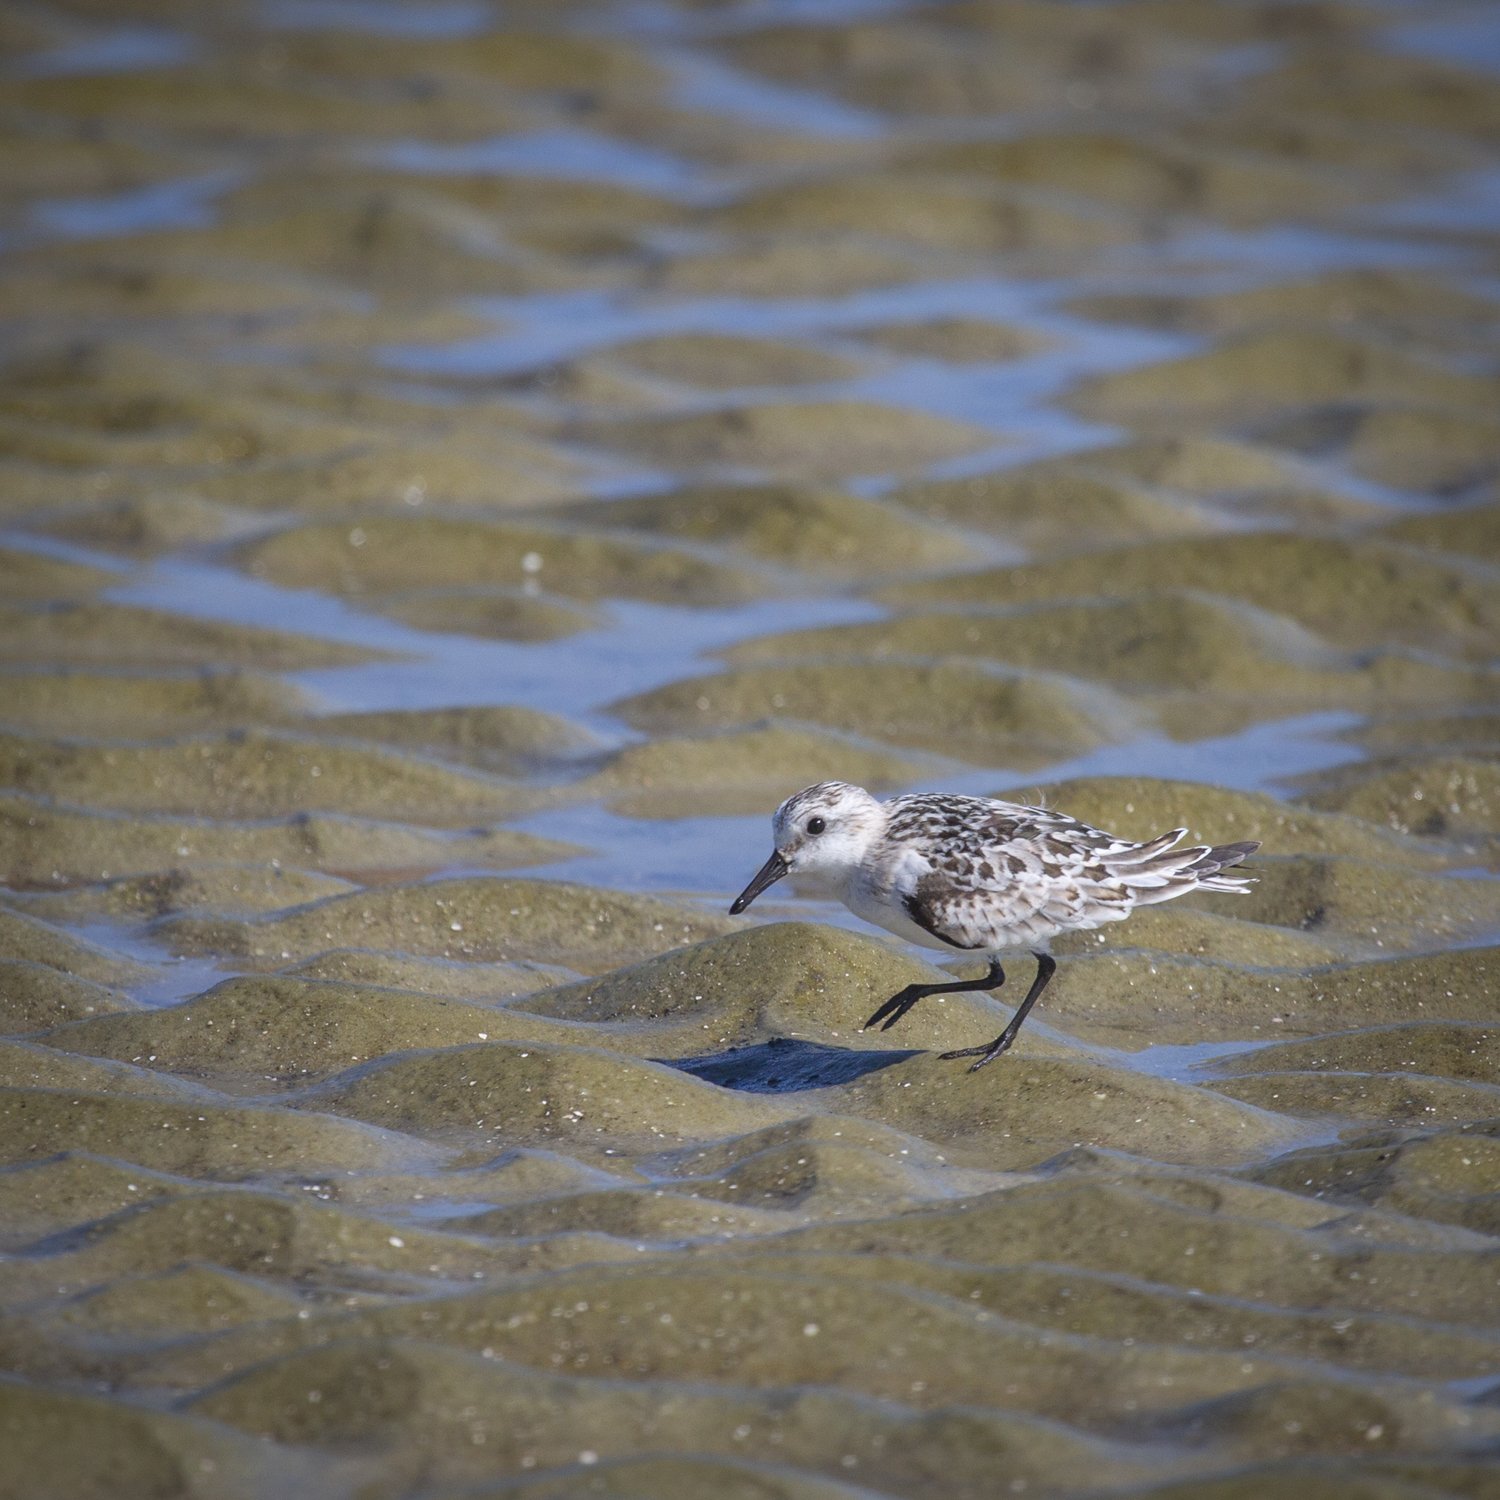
990,877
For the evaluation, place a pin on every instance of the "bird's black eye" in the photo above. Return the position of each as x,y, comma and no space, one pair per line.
816,825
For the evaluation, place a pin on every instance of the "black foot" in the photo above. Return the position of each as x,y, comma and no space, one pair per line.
986,1054
1046,967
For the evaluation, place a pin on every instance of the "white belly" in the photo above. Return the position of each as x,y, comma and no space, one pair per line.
982,926
884,910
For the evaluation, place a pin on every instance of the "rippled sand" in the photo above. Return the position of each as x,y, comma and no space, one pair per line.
461,467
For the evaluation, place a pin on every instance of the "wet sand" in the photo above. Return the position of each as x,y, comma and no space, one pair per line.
460,470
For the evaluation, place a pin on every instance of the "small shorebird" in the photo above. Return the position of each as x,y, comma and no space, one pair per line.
978,876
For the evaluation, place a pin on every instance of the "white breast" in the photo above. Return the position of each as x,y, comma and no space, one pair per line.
876,893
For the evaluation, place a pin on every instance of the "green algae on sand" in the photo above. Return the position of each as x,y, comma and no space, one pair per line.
382,554
508,739
36,995
87,1445
1351,592
270,1028
94,634
468,919
741,770
107,704
797,526
44,844
334,1165
223,1142
785,978
255,774
959,709
829,438
1197,660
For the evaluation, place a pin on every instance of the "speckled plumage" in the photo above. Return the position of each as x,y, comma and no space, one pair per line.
1001,875
972,874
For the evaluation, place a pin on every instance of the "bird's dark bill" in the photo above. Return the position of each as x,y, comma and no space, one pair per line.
768,874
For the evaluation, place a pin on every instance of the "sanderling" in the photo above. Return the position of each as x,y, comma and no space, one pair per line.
979,876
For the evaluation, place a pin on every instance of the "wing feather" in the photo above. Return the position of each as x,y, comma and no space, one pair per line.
993,873
990,871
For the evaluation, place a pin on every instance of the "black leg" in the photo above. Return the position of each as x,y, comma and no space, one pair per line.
1046,967
901,1002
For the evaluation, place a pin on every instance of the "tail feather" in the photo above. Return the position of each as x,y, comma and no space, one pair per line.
1175,872
1221,858
1149,853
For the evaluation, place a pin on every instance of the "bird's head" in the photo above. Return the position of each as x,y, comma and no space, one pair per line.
822,831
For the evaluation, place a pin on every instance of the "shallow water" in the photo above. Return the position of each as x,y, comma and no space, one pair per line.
463,466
